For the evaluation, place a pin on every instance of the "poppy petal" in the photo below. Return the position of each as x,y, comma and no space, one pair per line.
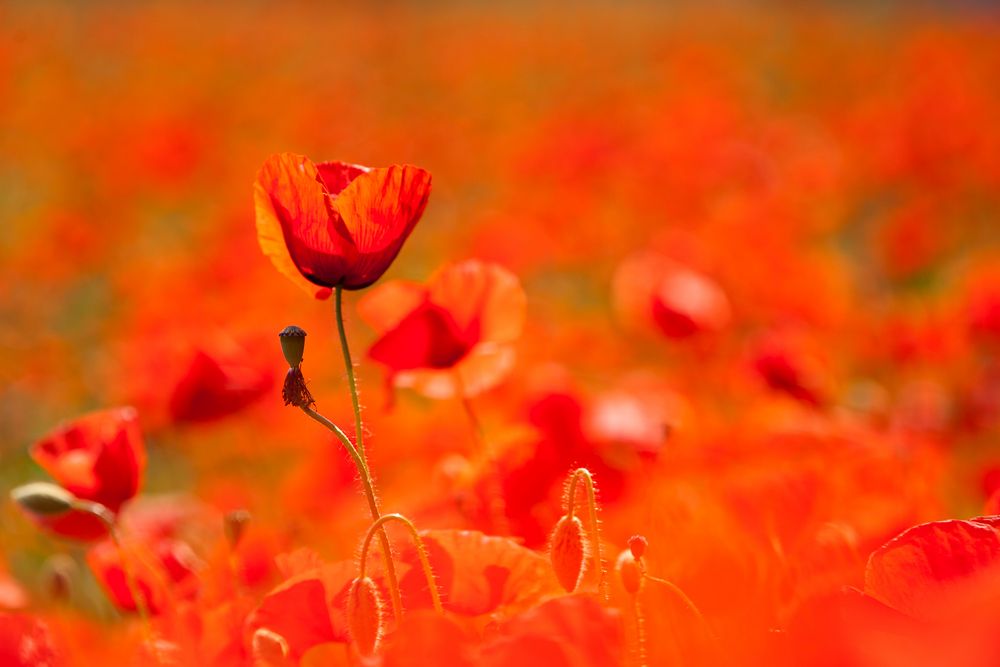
485,299
294,225
917,571
379,210
426,338
385,305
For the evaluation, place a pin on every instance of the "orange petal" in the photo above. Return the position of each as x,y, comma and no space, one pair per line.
385,305
379,209
293,180
481,295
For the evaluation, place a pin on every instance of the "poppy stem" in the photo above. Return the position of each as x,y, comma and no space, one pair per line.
496,506
110,520
366,483
349,367
595,527
425,562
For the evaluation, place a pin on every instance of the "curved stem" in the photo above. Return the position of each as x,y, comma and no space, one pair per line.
349,367
588,480
685,600
425,562
366,483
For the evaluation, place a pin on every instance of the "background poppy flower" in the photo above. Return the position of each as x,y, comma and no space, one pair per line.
335,224
99,457
457,329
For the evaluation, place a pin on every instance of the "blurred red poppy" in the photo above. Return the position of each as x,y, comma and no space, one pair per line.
213,388
335,224
99,457
453,335
25,642
654,292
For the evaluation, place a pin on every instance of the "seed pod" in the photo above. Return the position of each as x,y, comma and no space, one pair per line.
629,572
43,498
364,615
293,344
568,548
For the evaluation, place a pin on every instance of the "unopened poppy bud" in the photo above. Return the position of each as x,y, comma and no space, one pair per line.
637,545
364,615
58,574
43,498
294,392
293,344
269,648
568,552
629,572
234,524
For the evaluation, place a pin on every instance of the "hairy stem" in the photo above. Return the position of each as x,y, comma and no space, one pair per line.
425,562
349,367
588,482
366,483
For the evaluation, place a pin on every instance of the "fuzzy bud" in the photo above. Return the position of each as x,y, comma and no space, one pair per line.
43,498
629,572
293,344
568,549
364,615
234,524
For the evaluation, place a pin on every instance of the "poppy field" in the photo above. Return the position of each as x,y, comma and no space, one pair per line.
480,334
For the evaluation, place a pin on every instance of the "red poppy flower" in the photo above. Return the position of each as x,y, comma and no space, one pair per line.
456,330
99,457
335,224
654,292
25,641
213,388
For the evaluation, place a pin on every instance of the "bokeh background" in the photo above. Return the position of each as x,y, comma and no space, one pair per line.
833,168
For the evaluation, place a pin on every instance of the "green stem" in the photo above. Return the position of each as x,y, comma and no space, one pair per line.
366,483
349,367
425,562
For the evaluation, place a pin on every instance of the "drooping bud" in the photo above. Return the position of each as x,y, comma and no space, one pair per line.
568,548
294,392
43,498
58,574
234,524
269,648
364,615
629,572
637,545
293,344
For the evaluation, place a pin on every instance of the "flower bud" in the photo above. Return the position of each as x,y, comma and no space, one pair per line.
637,545
293,344
568,549
364,615
629,572
43,498
234,524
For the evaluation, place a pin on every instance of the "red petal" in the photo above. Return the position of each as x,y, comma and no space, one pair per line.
210,390
426,338
920,571
295,229
571,630
379,209
297,610
476,573
25,642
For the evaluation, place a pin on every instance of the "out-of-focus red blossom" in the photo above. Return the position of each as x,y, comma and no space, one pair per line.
211,388
678,301
165,570
935,569
453,335
335,224
476,574
100,457
789,364
25,641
